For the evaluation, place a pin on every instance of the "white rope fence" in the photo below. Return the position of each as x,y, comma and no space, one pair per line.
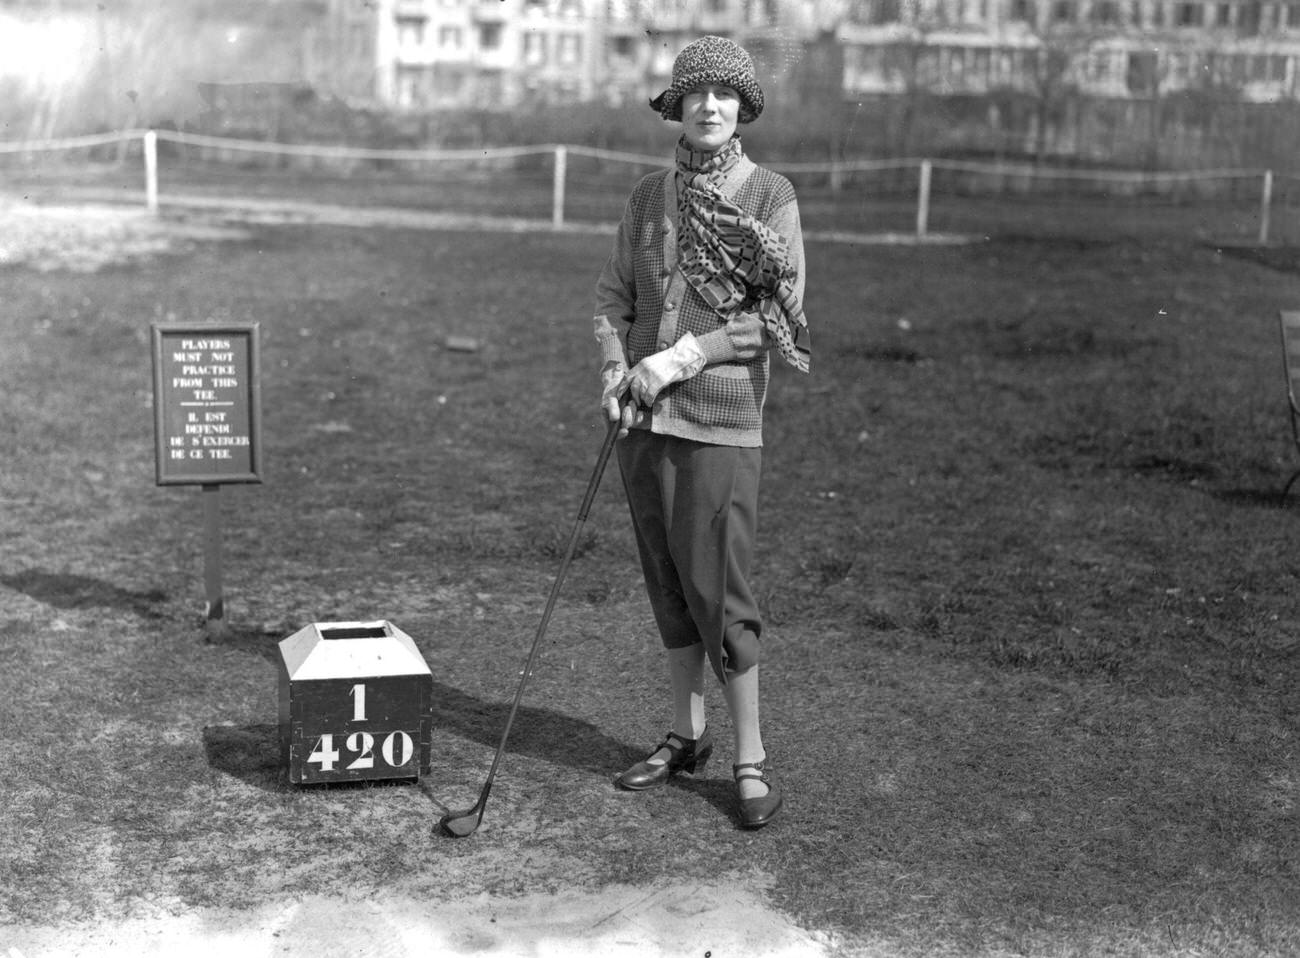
70,143
835,171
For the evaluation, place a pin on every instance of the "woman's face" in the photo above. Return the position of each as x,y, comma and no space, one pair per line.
709,116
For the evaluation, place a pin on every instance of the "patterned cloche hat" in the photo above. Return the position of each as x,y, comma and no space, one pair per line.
712,60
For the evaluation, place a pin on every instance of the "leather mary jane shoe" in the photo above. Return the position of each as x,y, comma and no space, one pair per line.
757,812
684,755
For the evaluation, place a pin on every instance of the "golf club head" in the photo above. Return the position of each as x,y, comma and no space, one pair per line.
462,824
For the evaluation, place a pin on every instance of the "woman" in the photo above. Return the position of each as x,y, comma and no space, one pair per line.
705,277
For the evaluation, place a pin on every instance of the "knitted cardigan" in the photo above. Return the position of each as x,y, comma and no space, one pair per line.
644,304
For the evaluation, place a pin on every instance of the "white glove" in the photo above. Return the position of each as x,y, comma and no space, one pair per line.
682,360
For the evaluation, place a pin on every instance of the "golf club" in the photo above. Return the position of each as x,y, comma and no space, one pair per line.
461,824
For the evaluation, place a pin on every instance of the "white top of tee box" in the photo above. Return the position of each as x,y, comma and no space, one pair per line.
338,650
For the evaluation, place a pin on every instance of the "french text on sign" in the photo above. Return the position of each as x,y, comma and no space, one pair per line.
207,389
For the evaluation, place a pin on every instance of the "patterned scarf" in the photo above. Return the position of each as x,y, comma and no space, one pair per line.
732,259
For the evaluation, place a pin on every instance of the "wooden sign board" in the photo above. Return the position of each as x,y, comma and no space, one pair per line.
207,408
356,704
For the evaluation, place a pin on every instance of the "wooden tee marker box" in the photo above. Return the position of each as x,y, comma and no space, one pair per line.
356,703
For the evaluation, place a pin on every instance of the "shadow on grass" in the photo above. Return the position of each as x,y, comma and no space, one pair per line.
251,753
1281,257
718,792
67,591
1259,498
537,732
254,641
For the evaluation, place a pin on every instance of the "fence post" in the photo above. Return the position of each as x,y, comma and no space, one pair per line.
923,200
1265,207
557,191
151,170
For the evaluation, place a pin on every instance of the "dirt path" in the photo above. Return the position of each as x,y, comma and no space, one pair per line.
686,920
83,239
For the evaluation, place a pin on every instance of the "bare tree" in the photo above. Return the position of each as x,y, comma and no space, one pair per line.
913,60
1146,75
1064,36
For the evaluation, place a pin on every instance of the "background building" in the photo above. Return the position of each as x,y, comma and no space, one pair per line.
508,53
488,53
1110,80
438,53
1105,48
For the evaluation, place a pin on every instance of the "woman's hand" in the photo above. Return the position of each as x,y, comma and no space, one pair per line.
682,360
614,399
612,376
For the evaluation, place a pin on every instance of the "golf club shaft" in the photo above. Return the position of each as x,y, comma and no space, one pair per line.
592,485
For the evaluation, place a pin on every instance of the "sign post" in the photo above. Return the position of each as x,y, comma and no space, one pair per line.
207,423
216,604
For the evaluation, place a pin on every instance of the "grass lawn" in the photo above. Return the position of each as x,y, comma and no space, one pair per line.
1031,657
